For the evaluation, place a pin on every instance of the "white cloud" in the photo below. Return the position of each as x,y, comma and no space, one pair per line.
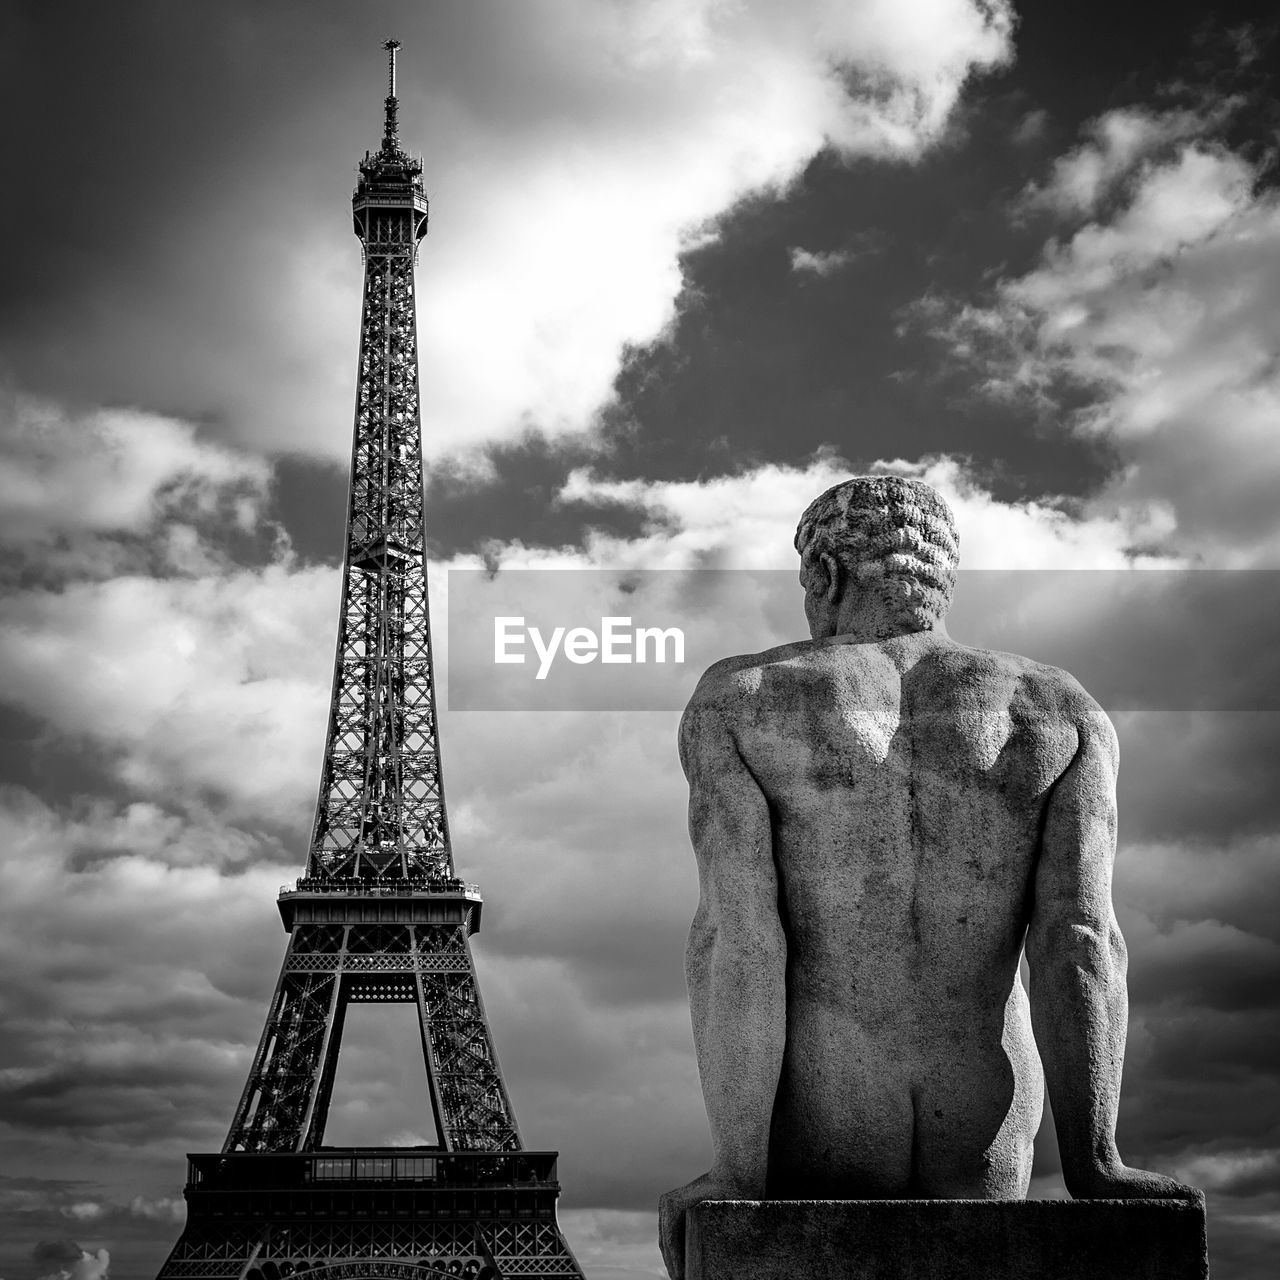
115,472
1163,310
1117,142
1183,204
189,686
748,520
1221,1170
161,1209
89,1266
819,264
84,1210
188,676
729,522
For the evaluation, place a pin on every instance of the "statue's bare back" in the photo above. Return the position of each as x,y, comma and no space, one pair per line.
904,777
884,822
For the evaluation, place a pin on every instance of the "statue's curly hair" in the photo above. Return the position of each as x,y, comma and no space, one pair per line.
892,531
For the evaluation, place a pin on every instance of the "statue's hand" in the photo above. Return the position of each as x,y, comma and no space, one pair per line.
1119,1182
673,1206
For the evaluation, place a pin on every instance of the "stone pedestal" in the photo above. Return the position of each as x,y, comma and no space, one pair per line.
947,1240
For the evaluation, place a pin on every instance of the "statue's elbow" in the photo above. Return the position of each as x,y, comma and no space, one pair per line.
734,950
1094,947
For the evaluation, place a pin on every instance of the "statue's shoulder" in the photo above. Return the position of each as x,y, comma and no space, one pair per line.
741,676
730,691
1035,688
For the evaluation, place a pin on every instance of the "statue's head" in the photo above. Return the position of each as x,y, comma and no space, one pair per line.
878,553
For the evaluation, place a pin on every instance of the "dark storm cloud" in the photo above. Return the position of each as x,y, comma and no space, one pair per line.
155,1086
610,902
1206,1078
51,1210
764,365
1233,882
55,1252
143,1053
517,499
37,1217
1198,776
1211,967
616,958
153,180
121,1102
1152,640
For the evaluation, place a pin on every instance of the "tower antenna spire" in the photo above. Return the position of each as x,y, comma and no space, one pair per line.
391,129
391,46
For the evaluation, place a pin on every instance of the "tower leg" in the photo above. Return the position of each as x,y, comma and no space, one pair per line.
476,1112
278,1107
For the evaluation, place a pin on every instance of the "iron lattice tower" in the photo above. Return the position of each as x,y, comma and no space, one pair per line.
380,915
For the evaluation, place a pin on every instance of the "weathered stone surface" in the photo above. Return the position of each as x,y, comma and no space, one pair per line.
881,818
947,1240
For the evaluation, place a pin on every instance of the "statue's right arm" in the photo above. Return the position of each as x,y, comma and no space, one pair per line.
736,958
735,965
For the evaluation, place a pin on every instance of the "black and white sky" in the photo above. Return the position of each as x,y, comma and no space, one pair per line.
690,262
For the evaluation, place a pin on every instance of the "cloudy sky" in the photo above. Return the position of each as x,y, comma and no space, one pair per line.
690,261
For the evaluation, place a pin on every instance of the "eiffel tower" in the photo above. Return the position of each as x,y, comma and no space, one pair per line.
379,915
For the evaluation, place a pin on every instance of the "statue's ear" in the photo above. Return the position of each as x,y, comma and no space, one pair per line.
831,566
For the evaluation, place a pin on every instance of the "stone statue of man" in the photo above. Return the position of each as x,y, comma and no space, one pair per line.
882,819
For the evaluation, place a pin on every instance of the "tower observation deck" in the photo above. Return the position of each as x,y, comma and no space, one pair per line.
380,914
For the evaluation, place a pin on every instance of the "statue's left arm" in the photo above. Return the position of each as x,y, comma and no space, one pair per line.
1077,959
735,965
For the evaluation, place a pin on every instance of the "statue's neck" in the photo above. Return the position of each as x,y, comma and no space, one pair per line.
861,627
